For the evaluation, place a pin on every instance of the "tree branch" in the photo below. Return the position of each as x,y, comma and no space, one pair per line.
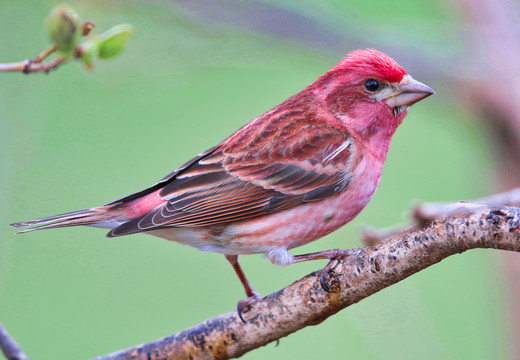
367,271
9,347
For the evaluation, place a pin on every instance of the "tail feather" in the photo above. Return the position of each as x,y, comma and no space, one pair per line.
75,218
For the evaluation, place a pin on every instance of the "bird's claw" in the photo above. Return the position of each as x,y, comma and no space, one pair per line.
328,280
324,281
245,305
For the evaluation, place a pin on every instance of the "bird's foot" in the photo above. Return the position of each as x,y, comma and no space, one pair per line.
245,305
328,280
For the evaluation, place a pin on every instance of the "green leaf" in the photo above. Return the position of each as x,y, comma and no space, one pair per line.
113,41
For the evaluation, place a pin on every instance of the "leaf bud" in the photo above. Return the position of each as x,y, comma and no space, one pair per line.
62,27
113,41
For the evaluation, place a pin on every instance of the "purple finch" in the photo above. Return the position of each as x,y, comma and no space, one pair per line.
292,175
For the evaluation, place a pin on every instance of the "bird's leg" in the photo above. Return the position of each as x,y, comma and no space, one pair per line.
233,260
243,306
334,256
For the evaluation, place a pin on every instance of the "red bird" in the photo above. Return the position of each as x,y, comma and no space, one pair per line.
292,175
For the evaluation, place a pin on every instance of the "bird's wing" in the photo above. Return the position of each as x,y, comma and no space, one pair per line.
165,180
263,168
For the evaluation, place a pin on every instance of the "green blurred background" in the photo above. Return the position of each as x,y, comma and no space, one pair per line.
194,72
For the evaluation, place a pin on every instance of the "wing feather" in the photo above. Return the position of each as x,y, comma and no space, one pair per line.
267,166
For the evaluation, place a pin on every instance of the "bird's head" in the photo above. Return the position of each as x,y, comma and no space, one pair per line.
369,91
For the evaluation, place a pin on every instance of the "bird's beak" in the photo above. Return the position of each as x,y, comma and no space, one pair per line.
408,92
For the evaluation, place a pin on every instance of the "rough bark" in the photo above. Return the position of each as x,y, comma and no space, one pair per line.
366,271
442,230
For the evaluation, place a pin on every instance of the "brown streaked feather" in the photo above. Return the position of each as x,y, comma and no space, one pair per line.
278,161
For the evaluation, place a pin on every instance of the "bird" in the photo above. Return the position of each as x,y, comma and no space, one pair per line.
290,176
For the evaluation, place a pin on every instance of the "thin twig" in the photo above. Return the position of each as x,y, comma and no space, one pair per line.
9,347
422,214
14,67
429,211
44,54
34,65
28,66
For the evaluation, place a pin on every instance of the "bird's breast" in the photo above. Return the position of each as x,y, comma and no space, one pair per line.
288,228
307,222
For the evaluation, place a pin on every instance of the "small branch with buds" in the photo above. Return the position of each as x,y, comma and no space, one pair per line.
441,230
64,30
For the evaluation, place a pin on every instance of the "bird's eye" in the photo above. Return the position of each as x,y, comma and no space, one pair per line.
372,85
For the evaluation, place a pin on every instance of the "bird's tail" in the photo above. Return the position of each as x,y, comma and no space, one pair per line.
81,217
